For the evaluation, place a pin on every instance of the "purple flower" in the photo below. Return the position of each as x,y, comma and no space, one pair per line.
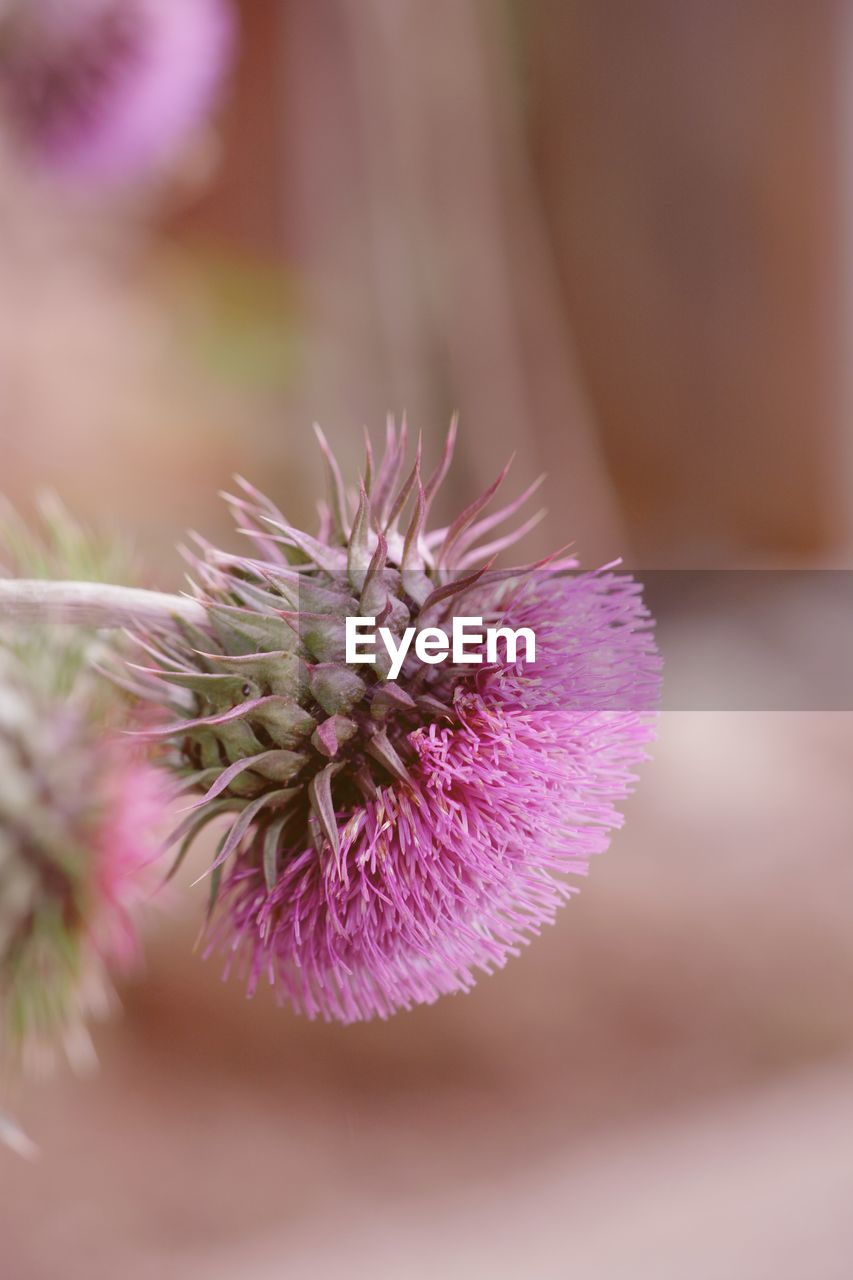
79,815
80,809
389,839
106,91
78,819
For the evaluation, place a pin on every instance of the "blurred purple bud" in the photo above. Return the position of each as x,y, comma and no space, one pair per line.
106,92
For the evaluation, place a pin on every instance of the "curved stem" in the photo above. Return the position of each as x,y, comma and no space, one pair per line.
93,604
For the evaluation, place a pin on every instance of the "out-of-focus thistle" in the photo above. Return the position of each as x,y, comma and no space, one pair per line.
79,811
107,91
385,840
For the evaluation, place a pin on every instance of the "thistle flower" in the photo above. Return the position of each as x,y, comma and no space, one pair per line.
78,815
388,840
106,91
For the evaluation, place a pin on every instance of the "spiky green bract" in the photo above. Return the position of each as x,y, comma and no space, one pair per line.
78,813
383,840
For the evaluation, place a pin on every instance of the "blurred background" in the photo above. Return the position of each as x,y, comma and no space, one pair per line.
618,238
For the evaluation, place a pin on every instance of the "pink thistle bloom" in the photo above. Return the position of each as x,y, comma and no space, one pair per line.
107,91
78,820
80,811
388,840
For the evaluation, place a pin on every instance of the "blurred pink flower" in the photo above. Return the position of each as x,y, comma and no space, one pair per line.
107,91
126,848
81,809
79,817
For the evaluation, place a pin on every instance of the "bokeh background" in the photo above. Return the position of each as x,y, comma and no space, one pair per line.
618,238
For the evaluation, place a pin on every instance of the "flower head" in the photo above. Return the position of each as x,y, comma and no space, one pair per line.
79,811
388,839
105,91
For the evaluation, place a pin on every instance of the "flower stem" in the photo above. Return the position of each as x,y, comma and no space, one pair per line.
93,604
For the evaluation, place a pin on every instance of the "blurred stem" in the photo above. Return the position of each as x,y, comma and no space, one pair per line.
92,604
